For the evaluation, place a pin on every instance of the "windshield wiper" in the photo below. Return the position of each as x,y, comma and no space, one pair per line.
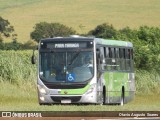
75,56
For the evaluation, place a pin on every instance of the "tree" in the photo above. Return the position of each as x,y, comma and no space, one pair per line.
6,30
50,30
104,31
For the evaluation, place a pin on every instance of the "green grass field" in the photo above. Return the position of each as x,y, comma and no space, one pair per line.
82,15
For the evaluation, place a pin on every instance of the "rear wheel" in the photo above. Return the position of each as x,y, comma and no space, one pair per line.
122,97
104,96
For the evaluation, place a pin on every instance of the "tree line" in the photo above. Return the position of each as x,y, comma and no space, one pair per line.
146,40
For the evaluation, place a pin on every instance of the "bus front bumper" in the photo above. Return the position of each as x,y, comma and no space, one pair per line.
51,99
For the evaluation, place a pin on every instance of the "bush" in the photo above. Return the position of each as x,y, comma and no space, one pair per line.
127,34
18,46
151,35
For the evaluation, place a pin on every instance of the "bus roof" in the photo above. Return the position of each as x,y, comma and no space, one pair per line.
97,40
113,42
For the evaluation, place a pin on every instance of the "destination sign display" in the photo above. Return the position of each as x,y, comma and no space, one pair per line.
66,45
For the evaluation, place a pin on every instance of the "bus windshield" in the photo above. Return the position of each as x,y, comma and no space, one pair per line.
66,66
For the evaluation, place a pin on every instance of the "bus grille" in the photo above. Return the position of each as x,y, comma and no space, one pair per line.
73,99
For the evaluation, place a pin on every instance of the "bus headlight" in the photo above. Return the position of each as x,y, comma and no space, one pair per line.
91,89
41,89
42,98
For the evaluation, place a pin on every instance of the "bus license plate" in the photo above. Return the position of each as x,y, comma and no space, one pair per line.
65,101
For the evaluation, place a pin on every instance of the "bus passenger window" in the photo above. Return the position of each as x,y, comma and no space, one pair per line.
131,60
113,58
129,54
110,53
108,59
128,62
120,52
104,48
117,52
124,55
122,58
117,59
114,52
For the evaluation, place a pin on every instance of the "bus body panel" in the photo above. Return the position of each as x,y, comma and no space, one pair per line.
80,95
114,83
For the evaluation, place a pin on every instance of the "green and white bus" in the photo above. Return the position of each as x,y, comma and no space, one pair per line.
85,70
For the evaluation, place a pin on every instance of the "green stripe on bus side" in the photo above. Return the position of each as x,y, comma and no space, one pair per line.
114,82
79,91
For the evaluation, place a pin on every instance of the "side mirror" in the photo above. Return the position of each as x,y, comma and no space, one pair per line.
33,58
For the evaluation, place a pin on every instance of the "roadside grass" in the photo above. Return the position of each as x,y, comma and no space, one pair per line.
82,15
147,82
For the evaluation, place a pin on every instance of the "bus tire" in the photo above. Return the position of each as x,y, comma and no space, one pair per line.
40,103
104,95
122,96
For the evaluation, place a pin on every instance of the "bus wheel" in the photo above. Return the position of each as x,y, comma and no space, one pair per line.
122,97
104,96
40,103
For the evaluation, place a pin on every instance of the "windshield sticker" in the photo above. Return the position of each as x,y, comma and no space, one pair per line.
71,77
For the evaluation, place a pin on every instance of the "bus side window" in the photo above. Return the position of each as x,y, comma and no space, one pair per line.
124,53
132,54
98,56
107,53
109,59
113,58
131,60
128,60
117,52
122,58
129,54
117,59
114,52
102,60
110,52
104,48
